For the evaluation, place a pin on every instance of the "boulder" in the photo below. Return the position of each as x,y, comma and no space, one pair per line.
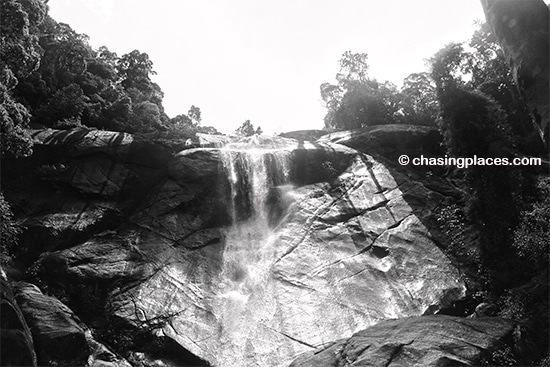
59,339
415,341
17,348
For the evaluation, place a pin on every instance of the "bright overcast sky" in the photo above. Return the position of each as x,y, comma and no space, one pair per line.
264,60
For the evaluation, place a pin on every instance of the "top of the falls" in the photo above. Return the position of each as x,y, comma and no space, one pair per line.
260,144
249,142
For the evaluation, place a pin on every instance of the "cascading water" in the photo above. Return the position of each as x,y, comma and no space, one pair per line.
258,180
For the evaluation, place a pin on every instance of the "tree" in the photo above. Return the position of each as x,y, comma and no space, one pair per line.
247,129
353,69
134,68
418,101
357,100
190,123
192,119
194,115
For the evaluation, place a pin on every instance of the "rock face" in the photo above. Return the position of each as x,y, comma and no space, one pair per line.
415,341
248,254
522,29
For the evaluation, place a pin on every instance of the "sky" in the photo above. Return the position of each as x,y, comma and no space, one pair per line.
264,60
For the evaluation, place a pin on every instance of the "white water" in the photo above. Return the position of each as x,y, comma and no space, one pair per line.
258,180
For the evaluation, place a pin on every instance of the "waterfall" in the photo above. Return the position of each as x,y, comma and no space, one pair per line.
258,181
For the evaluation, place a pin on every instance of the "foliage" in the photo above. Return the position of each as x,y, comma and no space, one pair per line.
247,129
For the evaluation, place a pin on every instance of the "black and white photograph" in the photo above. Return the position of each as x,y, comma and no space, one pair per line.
274,183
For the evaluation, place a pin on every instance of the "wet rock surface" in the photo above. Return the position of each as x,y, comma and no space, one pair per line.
348,243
